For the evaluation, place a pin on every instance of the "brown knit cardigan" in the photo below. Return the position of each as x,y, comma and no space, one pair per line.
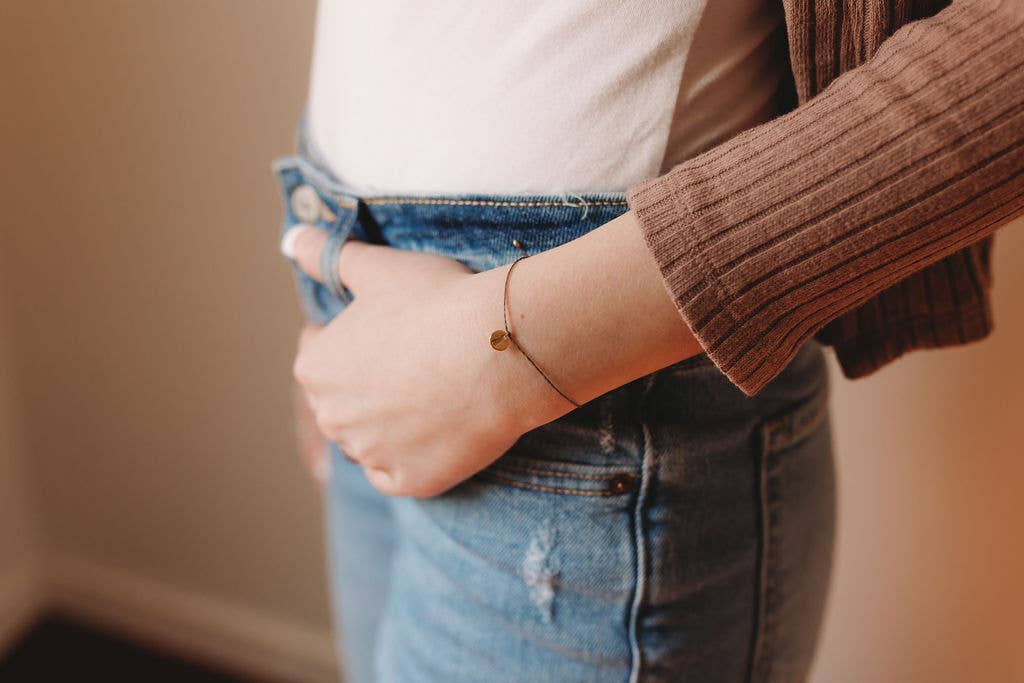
863,214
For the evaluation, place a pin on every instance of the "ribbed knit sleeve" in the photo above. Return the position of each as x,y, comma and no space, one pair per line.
912,155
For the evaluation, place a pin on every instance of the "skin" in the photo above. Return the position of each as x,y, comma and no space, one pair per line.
409,386
312,445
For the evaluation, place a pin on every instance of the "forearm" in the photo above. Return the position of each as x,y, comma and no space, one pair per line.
593,313
897,165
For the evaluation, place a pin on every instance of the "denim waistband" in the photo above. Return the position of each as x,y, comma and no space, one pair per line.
477,229
551,210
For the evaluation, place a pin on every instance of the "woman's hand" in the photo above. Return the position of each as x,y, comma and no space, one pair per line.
404,379
312,444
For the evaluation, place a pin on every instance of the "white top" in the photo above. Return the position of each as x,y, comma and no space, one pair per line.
535,96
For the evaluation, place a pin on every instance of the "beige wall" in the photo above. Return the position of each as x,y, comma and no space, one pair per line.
155,325
19,594
931,538
154,316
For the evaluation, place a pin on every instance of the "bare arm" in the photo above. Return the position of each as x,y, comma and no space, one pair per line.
593,313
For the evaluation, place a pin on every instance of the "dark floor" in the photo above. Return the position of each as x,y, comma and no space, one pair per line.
58,650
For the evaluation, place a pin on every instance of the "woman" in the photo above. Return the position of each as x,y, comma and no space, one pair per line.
560,473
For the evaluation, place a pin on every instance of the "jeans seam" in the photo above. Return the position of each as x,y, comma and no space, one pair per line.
552,473
647,470
768,540
796,424
540,487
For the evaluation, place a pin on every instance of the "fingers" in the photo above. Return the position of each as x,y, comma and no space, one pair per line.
312,444
304,244
321,466
362,266
381,480
308,331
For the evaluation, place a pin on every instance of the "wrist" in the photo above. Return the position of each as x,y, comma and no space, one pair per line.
521,397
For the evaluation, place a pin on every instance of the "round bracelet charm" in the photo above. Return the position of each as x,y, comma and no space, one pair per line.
500,340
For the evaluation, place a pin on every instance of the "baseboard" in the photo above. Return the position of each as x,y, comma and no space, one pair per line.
177,619
20,603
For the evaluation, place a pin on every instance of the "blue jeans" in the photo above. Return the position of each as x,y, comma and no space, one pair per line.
672,529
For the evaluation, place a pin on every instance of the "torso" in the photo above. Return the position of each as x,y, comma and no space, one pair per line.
534,97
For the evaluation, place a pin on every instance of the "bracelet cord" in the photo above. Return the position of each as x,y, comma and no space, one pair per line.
515,342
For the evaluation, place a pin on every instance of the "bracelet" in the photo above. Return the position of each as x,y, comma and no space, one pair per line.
501,339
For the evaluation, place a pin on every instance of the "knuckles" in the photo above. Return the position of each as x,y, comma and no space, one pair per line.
301,369
400,484
326,426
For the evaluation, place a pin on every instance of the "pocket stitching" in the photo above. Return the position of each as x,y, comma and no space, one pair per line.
777,434
484,474
553,473
586,476
794,423
767,584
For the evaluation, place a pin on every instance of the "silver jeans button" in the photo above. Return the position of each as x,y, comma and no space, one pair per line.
306,204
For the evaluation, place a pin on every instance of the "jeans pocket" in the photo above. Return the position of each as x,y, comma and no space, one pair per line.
560,477
795,423
797,511
577,454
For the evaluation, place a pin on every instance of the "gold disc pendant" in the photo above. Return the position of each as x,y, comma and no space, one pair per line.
500,340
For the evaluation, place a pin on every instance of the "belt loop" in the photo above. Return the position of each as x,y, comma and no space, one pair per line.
348,210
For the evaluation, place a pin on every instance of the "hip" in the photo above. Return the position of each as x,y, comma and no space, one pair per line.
671,529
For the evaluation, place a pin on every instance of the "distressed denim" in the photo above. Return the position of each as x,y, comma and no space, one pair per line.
670,530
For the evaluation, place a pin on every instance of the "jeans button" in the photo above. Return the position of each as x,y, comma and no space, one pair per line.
305,203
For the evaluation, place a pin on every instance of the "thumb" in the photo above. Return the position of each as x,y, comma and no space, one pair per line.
304,244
